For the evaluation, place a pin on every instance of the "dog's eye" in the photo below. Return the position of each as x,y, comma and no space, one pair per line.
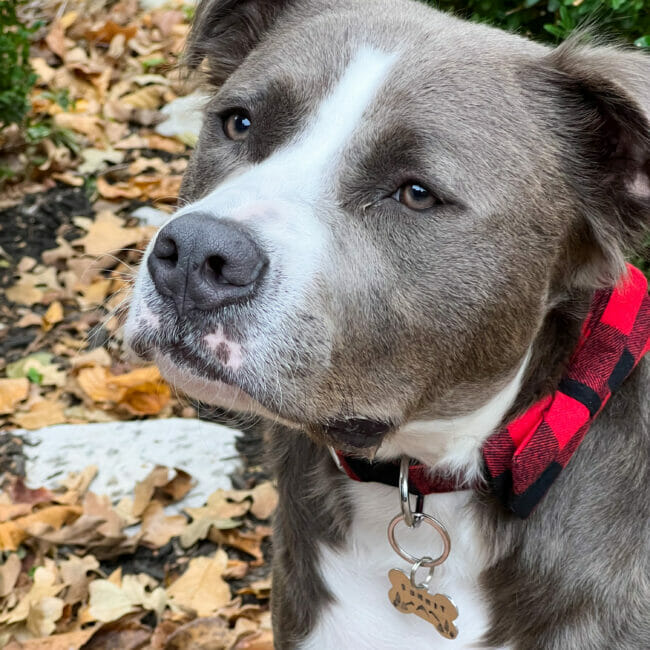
416,197
236,126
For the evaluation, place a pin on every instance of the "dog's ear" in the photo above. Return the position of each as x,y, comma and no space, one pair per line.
600,96
225,31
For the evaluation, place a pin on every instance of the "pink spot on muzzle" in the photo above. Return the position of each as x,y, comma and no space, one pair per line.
228,352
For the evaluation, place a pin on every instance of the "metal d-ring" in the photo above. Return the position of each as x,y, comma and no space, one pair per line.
420,517
414,569
409,516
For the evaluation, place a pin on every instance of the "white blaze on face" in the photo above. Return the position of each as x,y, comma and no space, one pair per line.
280,198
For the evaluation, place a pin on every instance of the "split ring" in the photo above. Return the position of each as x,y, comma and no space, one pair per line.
420,517
414,569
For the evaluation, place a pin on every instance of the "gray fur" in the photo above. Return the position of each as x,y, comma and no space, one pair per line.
541,159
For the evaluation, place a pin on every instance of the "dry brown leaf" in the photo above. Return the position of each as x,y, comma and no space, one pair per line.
94,294
45,585
106,32
126,634
68,641
249,542
109,602
201,588
265,500
12,510
144,489
55,39
220,505
9,573
74,573
150,97
34,286
13,533
89,125
20,493
107,234
261,589
146,399
96,357
100,506
12,391
122,190
41,414
212,633
43,615
158,528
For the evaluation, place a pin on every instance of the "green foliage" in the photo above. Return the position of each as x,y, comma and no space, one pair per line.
555,19
16,75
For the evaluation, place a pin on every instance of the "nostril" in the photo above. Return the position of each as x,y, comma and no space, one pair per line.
214,269
166,251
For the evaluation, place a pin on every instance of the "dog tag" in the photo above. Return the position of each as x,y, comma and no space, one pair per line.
435,609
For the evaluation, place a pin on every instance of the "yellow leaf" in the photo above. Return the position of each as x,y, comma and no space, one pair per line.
45,585
107,234
41,414
43,614
52,316
202,588
12,391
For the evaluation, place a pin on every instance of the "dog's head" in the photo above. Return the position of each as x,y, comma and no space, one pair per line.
383,205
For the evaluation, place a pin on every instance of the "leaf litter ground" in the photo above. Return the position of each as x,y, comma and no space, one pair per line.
78,570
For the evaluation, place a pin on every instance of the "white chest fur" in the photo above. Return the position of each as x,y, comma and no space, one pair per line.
357,576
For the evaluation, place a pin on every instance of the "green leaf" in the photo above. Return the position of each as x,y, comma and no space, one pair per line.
644,41
20,368
34,376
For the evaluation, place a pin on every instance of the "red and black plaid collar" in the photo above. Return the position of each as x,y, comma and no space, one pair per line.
523,458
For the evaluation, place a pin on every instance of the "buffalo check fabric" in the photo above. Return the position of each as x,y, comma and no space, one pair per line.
523,458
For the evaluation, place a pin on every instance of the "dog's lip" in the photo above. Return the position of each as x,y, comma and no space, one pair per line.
353,433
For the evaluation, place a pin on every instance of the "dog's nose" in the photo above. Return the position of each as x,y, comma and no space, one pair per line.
205,263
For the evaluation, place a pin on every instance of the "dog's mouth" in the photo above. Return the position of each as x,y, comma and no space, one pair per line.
201,374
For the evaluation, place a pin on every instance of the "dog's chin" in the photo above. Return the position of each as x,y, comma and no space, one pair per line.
213,391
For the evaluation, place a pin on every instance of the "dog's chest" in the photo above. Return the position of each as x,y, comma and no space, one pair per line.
357,575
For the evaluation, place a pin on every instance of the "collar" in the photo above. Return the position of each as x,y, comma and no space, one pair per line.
524,457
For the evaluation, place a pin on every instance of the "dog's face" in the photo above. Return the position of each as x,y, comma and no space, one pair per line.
376,217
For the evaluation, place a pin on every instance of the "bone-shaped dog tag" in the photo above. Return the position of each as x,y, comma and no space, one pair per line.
436,609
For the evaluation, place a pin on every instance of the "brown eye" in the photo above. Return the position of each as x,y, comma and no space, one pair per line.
236,126
416,197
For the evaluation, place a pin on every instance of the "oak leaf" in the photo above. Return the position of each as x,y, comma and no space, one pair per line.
202,588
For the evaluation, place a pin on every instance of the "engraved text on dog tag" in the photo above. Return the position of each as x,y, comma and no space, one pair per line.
436,609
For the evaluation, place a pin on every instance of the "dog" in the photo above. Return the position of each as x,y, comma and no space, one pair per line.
399,234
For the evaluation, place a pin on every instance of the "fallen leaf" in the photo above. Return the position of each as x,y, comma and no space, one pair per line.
74,573
33,286
12,391
265,500
158,528
9,573
106,32
67,641
201,588
42,414
20,493
212,633
43,615
45,585
109,601
13,533
107,234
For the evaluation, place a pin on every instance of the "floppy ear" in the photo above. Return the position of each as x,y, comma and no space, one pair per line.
225,31
601,97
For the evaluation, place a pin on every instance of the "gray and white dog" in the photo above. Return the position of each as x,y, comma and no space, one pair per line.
391,230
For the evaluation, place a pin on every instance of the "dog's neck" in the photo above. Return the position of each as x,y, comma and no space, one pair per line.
453,445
